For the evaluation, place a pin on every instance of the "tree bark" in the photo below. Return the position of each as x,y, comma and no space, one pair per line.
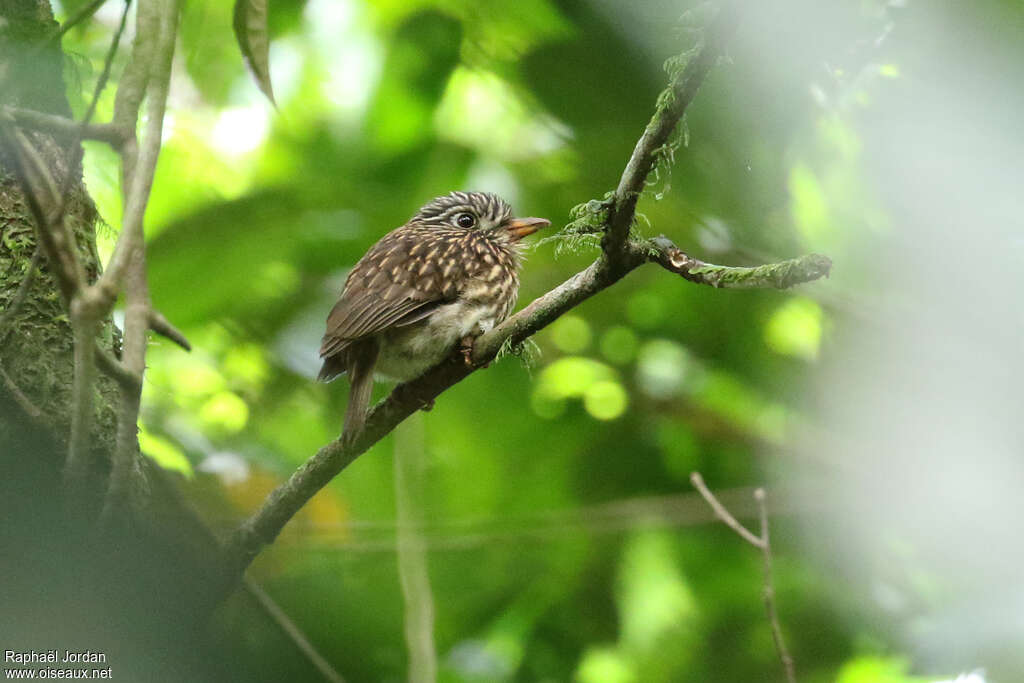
35,340
132,590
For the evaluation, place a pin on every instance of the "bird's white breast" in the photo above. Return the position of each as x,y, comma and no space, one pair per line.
407,353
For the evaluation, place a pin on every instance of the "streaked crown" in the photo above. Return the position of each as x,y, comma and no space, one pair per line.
465,211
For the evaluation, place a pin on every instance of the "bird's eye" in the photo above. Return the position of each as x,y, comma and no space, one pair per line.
465,220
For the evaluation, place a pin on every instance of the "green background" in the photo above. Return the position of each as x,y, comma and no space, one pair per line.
563,538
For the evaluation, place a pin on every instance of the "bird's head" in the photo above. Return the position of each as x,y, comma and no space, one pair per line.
478,211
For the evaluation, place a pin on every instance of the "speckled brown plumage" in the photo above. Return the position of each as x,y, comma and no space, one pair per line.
421,289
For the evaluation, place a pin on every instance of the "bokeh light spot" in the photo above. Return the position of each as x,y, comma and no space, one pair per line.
164,453
226,411
605,665
606,400
571,334
646,309
794,329
809,206
662,368
619,344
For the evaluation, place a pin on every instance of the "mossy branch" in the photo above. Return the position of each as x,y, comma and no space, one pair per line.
611,217
687,74
781,275
146,76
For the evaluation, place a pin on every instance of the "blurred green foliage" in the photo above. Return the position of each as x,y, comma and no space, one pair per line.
258,214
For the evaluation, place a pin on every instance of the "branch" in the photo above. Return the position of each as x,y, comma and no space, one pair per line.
44,202
281,505
75,132
723,514
41,195
128,380
264,526
67,129
782,275
75,149
671,107
83,14
138,175
292,631
764,544
21,294
133,352
162,326
769,589
147,73
618,258
19,397
85,322
108,62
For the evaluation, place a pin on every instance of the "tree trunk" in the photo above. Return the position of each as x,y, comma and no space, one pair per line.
145,587
36,340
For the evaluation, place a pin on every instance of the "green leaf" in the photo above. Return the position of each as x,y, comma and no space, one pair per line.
254,41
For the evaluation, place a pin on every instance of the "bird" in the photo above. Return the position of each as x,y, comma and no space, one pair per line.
433,285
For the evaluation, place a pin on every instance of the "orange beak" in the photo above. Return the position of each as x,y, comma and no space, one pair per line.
521,227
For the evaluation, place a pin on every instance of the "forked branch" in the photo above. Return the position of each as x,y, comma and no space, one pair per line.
620,255
763,543
146,76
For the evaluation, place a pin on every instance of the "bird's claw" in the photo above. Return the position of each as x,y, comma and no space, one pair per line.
466,349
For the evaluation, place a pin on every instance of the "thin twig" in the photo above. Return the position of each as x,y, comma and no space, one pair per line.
138,176
290,629
139,161
133,84
128,380
75,149
107,64
162,326
353,537
764,544
21,294
769,589
723,514
413,573
19,397
83,14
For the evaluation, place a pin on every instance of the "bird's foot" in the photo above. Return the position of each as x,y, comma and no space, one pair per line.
466,351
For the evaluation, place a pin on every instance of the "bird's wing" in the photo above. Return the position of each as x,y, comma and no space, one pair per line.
401,280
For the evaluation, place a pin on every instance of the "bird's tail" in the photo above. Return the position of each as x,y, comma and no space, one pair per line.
360,377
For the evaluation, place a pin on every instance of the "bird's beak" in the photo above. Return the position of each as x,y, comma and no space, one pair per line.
521,227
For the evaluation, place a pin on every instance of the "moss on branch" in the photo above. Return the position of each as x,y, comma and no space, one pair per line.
780,275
